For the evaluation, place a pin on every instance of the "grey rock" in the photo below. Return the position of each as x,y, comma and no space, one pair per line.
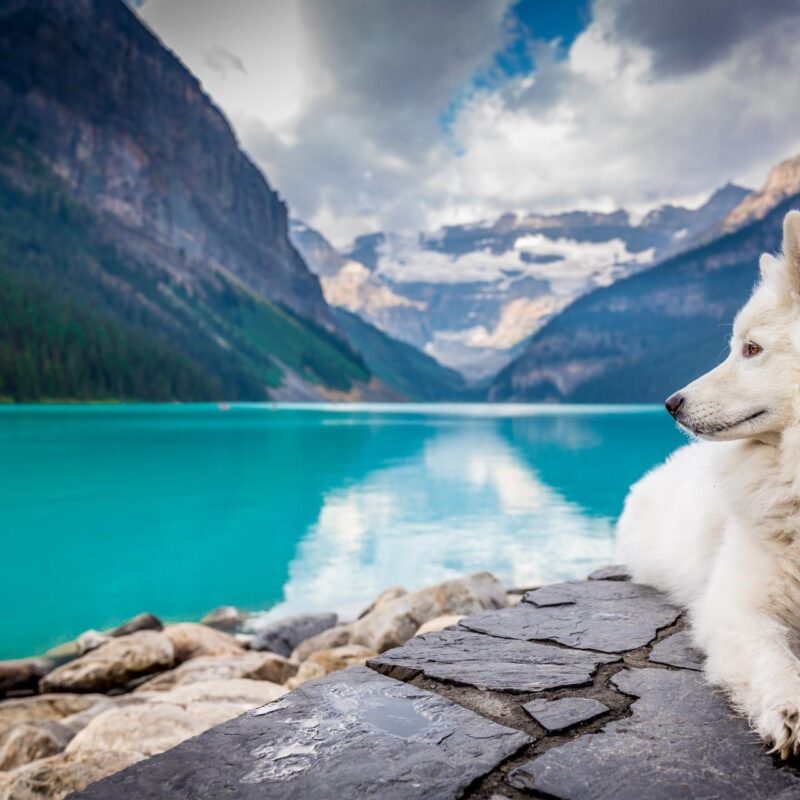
486,662
610,616
22,674
682,740
677,651
283,635
613,572
225,618
353,734
141,622
558,715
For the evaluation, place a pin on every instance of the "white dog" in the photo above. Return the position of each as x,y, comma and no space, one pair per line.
718,525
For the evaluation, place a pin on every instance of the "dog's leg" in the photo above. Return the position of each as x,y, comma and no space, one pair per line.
747,647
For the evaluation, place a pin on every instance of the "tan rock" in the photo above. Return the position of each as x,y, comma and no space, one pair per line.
394,622
57,776
44,706
113,664
167,718
255,666
236,691
386,596
77,722
439,623
333,637
149,728
514,598
91,640
190,640
320,664
27,741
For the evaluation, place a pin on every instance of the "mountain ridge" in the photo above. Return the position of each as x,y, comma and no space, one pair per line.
644,337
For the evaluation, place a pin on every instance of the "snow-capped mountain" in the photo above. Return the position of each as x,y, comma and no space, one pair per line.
471,295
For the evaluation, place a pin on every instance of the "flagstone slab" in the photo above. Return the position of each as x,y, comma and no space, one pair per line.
558,715
487,662
682,740
677,651
610,616
353,734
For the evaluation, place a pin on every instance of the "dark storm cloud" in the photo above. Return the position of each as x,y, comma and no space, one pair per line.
687,35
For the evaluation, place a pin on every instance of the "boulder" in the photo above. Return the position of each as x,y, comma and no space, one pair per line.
386,596
113,664
77,722
324,662
190,640
22,674
27,741
167,718
59,775
283,635
149,728
91,640
394,622
141,622
225,618
44,706
255,666
338,636
439,623
236,691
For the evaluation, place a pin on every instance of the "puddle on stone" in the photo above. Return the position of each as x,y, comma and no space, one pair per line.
393,715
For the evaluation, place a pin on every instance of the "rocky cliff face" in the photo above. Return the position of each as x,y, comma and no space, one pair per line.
117,116
129,214
783,181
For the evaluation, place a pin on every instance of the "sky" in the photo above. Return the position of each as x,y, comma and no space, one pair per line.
383,115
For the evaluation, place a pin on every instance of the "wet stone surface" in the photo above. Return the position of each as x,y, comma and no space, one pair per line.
585,690
353,734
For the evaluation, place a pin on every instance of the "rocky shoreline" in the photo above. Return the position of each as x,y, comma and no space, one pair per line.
110,699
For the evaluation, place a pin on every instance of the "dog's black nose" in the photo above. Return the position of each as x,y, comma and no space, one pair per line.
673,403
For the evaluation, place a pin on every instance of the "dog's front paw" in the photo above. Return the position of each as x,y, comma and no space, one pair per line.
780,728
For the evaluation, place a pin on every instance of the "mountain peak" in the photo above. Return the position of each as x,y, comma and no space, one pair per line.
782,181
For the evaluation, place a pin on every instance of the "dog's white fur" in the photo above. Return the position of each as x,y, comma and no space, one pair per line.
718,525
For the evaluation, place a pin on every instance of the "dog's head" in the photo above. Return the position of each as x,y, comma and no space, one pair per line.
754,392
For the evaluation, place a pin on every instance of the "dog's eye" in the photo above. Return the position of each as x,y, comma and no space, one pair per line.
750,349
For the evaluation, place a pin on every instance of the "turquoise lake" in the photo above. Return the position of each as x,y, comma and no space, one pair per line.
107,511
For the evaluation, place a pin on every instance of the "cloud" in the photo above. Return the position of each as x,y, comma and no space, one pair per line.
373,114
686,35
219,59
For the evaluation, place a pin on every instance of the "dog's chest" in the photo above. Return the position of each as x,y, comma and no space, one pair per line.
764,494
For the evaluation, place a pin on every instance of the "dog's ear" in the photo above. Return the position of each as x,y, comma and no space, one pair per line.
791,248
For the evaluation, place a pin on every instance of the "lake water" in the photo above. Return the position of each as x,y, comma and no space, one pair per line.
106,511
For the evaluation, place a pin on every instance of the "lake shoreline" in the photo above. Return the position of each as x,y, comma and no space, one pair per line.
112,698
